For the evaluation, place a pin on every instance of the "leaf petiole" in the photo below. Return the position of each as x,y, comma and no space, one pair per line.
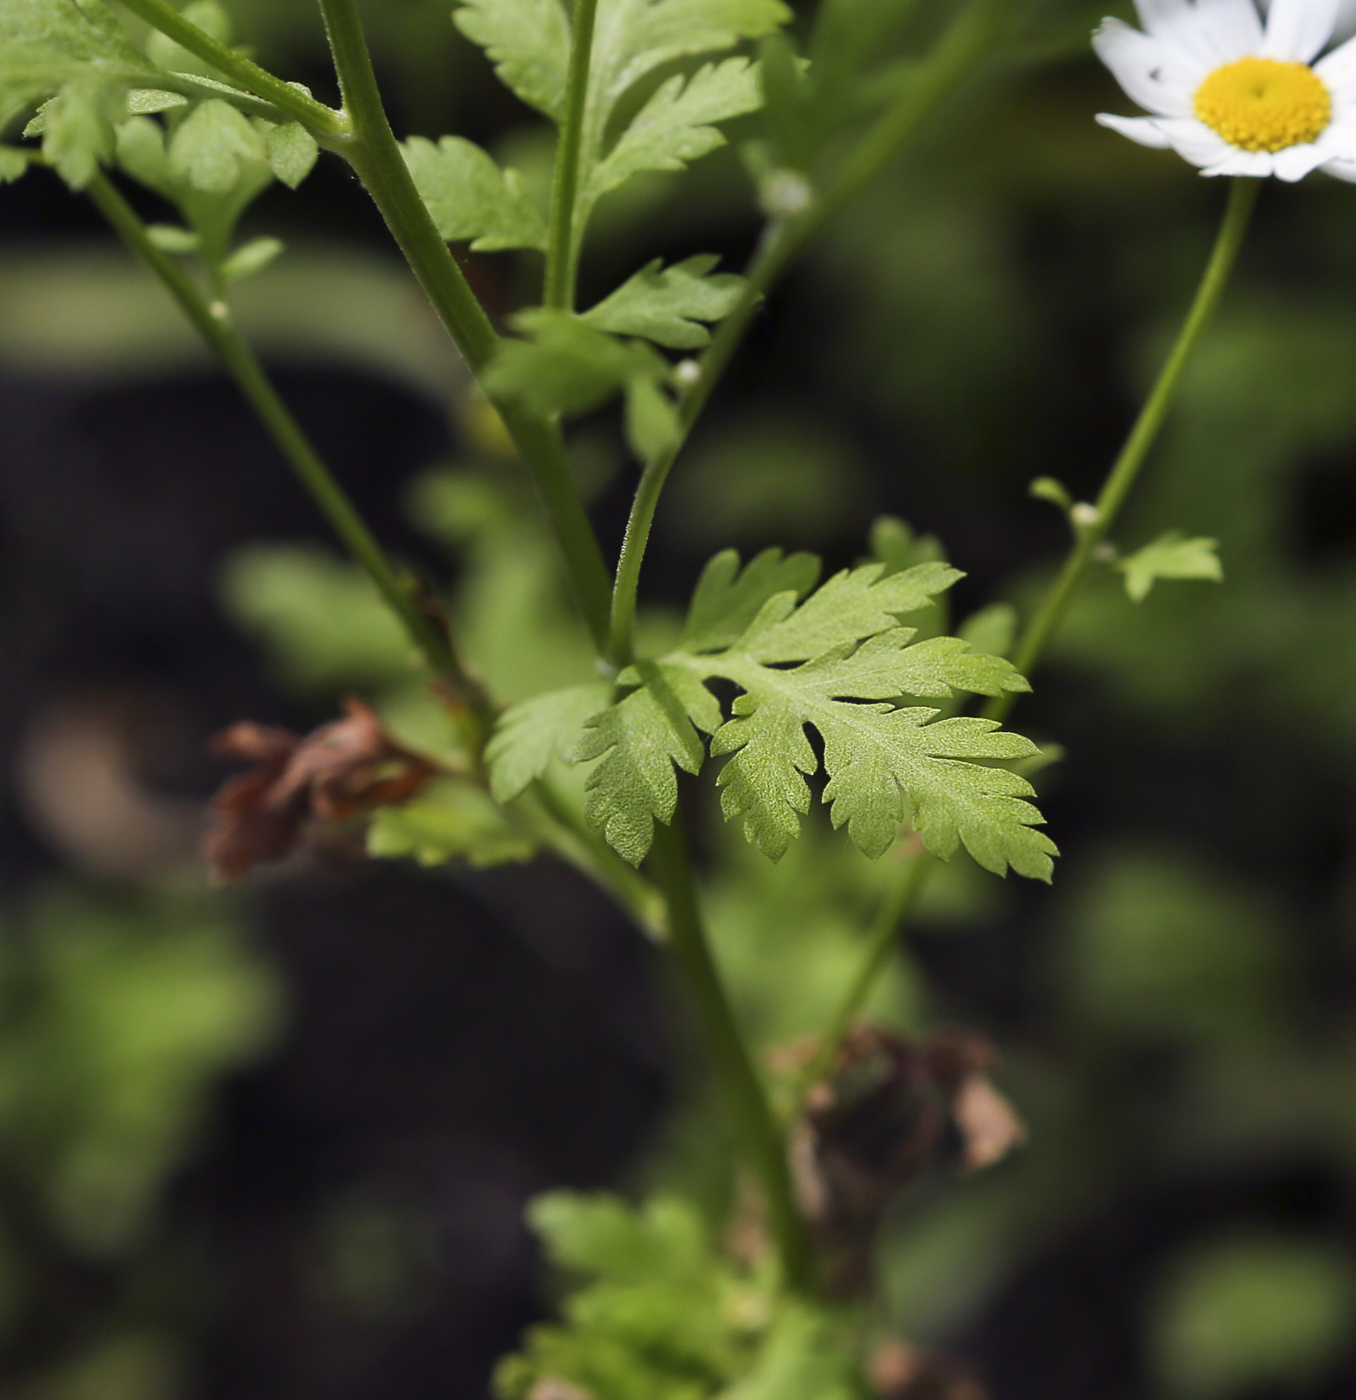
298,104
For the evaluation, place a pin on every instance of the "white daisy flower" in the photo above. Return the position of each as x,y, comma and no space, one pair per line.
1235,97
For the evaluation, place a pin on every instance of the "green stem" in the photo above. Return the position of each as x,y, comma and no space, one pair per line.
966,40
1090,534
881,940
213,322
558,826
375,155
561,263
756,1127
292,100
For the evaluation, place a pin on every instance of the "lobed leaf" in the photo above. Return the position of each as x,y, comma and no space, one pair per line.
639,740
209,147
666,305
566,366
533,733
448,821
852,605
887,762
528,42
727,599
677,125
292,153
470,197
1170,556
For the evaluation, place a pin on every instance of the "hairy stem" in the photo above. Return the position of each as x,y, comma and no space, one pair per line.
756,1127
562,264
213,322
962,45
890,918
1125,471
287,97
374,153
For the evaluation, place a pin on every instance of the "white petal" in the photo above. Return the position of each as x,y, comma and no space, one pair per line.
1194,141
1212,32
1149,72
1342,169
1254,163
1142,129
1338,71
1232,27
1295,162
1298,29
1339,139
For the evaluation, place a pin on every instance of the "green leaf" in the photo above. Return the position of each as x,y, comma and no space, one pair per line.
533,733
448,821
852,605
529,43
170,238
666,306
726,599
14,161
655,1314
639,740
471,198
322,620
77,129
887,762
208,149
992,629
798,1361
677,124
292,153
147,102
606,1237
165,53
78,55
1170,556
565,366
895,544
250,258
652,426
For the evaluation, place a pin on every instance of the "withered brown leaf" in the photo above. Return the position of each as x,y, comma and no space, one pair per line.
344,768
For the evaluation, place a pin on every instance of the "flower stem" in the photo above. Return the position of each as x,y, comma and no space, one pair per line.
213,321
1125,471
562,264
756,1127
965,41
375,155
895,909
289,98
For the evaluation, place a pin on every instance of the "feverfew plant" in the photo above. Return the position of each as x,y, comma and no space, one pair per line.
784,689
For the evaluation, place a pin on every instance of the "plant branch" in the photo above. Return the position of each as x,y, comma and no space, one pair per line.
562,264
746,1098
881,939
375,155
287,97
962,45
213,322
1125,471
558,826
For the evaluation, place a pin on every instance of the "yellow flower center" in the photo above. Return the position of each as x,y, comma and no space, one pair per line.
1258,104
